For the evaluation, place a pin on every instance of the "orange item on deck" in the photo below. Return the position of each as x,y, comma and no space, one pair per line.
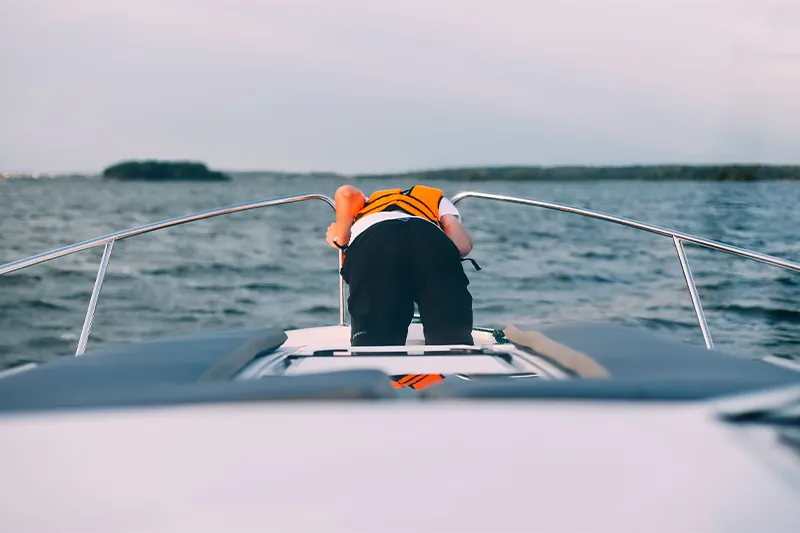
417,381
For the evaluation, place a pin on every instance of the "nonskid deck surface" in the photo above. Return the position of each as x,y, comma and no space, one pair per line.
565,351
329,337
328,348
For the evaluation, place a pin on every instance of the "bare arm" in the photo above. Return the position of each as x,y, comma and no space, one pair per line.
452,228
349,201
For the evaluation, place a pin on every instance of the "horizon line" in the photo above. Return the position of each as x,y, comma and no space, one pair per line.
7,174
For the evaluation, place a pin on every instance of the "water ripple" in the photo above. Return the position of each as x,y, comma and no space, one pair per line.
272,267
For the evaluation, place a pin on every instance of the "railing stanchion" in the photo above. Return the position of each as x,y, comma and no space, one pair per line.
98,284
342,299
698,307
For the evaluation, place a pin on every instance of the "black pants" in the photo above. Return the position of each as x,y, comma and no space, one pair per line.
395,263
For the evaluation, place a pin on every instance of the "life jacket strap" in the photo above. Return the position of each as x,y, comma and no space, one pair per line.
474,263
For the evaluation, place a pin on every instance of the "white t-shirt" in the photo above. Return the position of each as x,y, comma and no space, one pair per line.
446,207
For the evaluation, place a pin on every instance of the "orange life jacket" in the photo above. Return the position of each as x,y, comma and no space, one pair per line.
416,381
419,201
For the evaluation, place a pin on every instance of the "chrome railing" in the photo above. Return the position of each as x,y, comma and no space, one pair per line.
678,238
108,242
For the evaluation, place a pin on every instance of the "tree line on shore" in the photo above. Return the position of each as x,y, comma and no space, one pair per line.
197,171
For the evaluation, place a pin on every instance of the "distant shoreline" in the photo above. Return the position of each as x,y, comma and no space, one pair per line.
565,173
732,172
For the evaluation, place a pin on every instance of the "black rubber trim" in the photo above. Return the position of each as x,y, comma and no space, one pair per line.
348,385
225,368
634,390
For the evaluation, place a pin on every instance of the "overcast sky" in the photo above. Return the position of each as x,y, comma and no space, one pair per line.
379,85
